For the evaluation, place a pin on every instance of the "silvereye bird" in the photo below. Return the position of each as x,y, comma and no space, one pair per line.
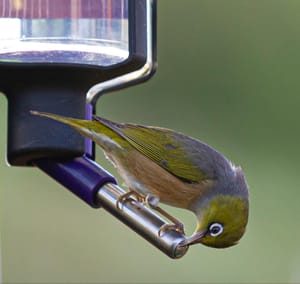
159,164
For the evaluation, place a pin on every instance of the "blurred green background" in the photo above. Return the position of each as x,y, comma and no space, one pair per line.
229,75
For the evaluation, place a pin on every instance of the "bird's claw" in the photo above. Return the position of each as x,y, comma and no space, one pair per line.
127,196
152,202
171,227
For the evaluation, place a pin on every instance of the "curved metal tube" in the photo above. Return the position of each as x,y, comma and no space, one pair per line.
97,90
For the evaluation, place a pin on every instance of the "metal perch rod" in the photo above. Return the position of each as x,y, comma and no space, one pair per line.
142,220
98,188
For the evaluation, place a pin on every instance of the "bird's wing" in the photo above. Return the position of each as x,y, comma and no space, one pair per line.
163,146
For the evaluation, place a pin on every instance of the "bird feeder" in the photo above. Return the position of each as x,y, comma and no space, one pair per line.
59,56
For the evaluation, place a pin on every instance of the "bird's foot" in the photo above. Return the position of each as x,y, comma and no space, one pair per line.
152,201
178,227
127,196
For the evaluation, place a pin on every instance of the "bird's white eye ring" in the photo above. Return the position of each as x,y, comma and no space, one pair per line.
215,229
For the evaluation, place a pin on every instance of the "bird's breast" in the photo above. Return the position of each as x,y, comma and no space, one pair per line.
145,176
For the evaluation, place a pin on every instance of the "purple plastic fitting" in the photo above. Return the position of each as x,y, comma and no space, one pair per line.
81,176
89,145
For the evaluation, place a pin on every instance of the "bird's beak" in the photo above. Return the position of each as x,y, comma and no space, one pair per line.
194,239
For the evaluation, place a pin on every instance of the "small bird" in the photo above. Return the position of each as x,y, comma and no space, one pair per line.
162,165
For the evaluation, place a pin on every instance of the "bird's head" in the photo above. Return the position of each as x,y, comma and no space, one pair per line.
222,217
222,222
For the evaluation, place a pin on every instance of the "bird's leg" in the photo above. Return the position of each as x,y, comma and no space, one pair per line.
152,201
124,197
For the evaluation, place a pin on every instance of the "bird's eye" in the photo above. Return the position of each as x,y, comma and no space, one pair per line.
215,229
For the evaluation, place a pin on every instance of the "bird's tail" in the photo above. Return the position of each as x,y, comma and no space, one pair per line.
95,130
